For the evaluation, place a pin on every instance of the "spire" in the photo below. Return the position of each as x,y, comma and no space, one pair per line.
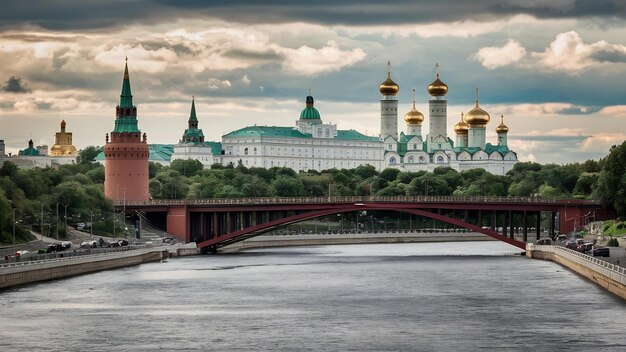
476,96
437,69
389,69
126,98
192,115
413,98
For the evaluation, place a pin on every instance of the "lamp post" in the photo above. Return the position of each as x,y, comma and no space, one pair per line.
65,216
14,209
41,229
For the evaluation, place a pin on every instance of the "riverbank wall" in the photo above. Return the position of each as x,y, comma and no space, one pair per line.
608,276
354,238
31,272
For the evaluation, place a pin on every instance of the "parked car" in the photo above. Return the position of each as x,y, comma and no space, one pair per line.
600,252
113,244
55,247
66,244
22,252
123,242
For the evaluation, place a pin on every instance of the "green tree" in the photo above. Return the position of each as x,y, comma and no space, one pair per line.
285,186
612,180
187,168
88,154
389,174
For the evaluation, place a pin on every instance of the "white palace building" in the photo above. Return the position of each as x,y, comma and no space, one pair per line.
312,144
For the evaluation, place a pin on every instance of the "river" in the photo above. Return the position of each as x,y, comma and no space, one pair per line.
459,296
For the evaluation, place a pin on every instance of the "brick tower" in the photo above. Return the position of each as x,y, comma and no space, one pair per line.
126,153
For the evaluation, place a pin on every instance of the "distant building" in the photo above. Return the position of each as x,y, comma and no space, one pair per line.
2,149
193,146
63,143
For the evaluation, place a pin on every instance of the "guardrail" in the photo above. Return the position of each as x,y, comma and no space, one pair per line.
357,199
75,256
611,270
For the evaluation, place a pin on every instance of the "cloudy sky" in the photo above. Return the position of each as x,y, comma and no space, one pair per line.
555,69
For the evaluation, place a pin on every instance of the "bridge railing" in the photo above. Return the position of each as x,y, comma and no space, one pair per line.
357,200
613,271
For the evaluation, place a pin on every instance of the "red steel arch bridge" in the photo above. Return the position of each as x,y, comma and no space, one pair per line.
214,223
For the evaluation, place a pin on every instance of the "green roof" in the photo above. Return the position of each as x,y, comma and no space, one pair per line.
192,114
126,124
355,135
158,152
216,147
30,151
193,132
290,132
310,113
267,131
489,148
126,98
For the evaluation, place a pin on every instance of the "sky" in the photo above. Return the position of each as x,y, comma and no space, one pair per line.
555,69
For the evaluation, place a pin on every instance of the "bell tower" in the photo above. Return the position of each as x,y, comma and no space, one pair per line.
126,153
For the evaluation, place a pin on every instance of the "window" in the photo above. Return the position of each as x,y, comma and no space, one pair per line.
392,160
421,159
245,151
414,146
440,159
411,159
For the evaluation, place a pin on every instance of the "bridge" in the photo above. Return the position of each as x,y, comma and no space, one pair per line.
214,223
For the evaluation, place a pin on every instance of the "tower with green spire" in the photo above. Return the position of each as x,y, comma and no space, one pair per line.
126,153
126,112
193,134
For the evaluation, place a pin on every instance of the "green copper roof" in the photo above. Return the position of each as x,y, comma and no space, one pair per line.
216,147
158,152
192,115
126,124
309,112
193,132
126,98
30,151
354,135
267,131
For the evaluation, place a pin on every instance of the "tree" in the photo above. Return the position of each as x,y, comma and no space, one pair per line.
88,155
389,174
188,167
285,186
365,171
612,180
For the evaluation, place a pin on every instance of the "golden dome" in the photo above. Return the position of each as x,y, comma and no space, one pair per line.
63,150
502,128
437,88
461,127
414,117
389,87
477,117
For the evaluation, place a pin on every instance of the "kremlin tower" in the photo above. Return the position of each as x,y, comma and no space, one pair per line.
126,153
502,131
389,107
414,120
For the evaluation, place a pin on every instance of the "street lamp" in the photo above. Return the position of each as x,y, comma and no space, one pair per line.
14,209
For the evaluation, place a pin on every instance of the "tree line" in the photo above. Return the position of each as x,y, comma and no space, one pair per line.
80,186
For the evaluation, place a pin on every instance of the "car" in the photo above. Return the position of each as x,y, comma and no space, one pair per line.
544,241
570,244
80,226
123,242
21,252
601,252
114,244
66,244
42,250
55,247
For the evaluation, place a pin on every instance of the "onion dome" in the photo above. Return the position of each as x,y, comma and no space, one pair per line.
502,128
437,88
461,127
309,112
414,117
477,117
389,87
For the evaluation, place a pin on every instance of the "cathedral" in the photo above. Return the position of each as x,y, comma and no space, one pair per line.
413,151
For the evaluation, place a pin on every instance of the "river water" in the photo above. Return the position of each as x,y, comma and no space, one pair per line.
388,297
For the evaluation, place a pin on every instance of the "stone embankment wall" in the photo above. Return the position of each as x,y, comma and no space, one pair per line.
20,274
357,238
609,276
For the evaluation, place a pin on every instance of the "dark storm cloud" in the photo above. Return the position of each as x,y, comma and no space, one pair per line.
15,85
614,56
97,14
268,55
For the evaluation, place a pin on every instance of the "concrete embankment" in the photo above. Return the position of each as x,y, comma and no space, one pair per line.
354,238
609,276
30,272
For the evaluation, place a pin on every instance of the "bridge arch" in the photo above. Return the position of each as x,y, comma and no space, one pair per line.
256,230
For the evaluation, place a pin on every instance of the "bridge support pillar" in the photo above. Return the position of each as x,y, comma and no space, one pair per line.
552,223
525,225
178,222
538,225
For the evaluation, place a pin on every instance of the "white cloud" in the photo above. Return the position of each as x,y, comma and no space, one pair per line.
214,83
150,61
614,110
602,142
569,53
493,57
310,61
245,80
459,29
